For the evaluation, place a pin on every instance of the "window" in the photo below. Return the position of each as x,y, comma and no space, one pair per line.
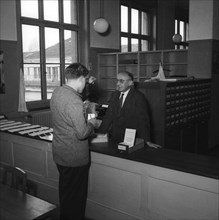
135,28
182,28
49,39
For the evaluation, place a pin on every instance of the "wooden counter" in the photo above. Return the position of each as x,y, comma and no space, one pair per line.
187,162
147,184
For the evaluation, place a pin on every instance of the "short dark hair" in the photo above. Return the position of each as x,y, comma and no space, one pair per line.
75,70
128,74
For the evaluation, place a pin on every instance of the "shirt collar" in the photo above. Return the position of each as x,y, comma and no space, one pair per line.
125,93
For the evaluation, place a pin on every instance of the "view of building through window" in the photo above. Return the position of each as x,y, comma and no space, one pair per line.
44,46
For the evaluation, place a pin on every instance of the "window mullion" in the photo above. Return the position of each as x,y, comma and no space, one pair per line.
41,15
62,55
129,28
139,30
62,40
42,52
43,62
61,16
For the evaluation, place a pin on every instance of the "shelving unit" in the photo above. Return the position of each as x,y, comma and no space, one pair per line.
141,64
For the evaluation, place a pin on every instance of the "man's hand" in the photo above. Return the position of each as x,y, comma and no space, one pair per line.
91,80
95,122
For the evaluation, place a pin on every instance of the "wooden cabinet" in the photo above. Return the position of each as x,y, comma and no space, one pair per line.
180,113
141,64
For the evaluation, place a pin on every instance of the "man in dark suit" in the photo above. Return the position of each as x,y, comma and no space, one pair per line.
131,112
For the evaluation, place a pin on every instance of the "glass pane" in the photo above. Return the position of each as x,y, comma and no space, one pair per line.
29,8
144,23
70,11
134,44
124,19
51,11
124,44
52,45
32,80
52,78
134,18
71,49
181,30
144,45
176,27
32,74
30,43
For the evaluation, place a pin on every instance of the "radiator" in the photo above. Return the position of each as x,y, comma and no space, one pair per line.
42,118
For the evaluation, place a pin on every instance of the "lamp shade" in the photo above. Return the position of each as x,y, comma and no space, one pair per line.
177,38
101,25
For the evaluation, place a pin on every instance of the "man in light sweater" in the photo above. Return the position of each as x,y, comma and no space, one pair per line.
70,142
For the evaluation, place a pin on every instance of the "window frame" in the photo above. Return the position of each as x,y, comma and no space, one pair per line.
42,24
184,43
129,35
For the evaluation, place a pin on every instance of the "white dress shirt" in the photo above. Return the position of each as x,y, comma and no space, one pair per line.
124,96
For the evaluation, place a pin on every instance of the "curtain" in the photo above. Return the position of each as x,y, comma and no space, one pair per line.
21,102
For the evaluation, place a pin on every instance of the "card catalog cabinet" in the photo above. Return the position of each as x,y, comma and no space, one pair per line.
180,113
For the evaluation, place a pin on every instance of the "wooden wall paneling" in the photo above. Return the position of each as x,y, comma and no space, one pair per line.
6,152
163,196
123,193
27,157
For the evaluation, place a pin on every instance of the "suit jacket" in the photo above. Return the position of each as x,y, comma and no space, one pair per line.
134,114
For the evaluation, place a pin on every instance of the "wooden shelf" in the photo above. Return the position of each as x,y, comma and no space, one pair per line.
141,64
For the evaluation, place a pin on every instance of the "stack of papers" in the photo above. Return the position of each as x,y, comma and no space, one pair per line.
100,138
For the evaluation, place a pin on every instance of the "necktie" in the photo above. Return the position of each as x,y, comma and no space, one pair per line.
121,100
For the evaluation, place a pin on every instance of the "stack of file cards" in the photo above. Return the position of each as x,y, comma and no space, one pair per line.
26,129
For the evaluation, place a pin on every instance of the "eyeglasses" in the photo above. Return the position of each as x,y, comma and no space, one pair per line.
122,80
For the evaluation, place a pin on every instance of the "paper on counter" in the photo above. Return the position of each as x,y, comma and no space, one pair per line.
41,132
24,128
5,121
33,130
14,126
10,124
100,138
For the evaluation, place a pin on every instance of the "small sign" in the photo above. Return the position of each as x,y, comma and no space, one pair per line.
129,139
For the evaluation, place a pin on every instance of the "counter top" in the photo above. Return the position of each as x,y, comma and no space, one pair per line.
207,166
202,165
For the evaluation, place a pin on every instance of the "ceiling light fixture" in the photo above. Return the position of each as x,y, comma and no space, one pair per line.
101,25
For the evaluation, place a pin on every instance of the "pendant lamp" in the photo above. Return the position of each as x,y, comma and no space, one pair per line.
101,25
177,38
